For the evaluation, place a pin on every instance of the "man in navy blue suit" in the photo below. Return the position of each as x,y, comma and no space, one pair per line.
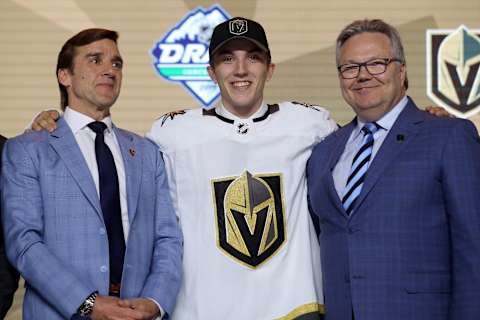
396,194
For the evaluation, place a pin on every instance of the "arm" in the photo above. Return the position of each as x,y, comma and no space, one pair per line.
163,283
23,215
461,184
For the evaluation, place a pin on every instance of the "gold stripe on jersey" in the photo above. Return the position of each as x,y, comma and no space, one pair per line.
298,312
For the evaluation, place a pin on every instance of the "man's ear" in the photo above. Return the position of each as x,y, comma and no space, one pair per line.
64,77
271,69
211,73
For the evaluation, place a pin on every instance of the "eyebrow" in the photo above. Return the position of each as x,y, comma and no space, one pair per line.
350,61
116,58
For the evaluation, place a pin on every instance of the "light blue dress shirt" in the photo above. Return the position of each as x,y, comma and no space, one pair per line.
342,168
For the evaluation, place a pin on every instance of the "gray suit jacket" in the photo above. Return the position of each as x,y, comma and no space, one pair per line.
55,231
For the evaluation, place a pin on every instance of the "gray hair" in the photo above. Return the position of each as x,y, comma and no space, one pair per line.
373,25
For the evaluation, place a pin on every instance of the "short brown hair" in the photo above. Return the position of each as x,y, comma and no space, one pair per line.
373,25
67,53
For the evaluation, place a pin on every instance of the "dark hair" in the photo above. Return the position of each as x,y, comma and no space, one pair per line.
373,25
67,53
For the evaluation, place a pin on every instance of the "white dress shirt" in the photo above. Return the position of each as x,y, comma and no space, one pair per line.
342,168
85,137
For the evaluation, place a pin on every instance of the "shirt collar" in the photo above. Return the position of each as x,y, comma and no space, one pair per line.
386,122
222,111
78,121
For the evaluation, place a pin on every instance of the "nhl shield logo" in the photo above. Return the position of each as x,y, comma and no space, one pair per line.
250,218
238,27
181,56
453,75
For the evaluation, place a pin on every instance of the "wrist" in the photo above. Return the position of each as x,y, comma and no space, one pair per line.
86,308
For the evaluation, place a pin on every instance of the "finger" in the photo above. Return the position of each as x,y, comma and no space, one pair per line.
54,114
125,303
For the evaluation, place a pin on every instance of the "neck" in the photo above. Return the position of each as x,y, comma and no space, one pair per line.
96,114
243,113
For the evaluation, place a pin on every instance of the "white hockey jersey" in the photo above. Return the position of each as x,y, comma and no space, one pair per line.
239,190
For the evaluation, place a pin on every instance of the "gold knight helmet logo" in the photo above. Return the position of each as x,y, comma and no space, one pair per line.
453,73
250,216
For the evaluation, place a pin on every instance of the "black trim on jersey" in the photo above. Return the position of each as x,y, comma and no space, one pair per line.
272,108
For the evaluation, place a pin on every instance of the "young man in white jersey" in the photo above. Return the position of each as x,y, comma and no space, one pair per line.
237,178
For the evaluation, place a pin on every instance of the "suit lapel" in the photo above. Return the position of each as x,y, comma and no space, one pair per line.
132,160
401,134
64,143
342,136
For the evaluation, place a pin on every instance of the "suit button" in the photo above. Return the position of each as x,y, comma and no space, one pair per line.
101,231
103,269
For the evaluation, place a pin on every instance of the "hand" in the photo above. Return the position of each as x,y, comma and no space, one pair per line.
46,121
148,308
439,112
110,308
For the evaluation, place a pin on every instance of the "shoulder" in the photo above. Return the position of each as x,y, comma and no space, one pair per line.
30,139
21,150
305,112
303,108
175,120
448,126
174,125
177,117
308,118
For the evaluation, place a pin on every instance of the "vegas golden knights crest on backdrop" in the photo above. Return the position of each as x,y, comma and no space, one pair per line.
250,216
453,73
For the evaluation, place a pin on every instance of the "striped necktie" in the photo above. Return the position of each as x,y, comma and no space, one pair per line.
358,171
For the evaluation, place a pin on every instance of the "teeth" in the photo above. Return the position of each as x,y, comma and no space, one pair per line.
240,83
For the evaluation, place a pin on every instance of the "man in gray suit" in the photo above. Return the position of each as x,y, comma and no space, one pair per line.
88,219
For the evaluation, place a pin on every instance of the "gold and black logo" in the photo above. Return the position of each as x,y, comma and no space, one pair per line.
250,216
453,70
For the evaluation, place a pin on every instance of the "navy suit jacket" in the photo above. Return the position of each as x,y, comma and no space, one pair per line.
55,233
8,275
411,248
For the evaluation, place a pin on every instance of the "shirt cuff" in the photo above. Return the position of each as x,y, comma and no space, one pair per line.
162,313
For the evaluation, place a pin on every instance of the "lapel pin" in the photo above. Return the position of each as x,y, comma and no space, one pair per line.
132,152
400,137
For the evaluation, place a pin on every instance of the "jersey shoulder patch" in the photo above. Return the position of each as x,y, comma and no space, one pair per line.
308,105
170,116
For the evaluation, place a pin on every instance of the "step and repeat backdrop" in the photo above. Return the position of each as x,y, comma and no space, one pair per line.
164,45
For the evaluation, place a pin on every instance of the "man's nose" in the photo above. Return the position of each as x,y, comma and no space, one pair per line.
241,67
363,73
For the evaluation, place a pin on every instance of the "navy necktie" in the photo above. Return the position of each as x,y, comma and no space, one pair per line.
358,171
110,201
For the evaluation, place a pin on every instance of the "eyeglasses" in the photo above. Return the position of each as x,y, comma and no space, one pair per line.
374,67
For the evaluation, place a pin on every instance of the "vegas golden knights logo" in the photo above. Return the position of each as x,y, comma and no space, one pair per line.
453,70
250,216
